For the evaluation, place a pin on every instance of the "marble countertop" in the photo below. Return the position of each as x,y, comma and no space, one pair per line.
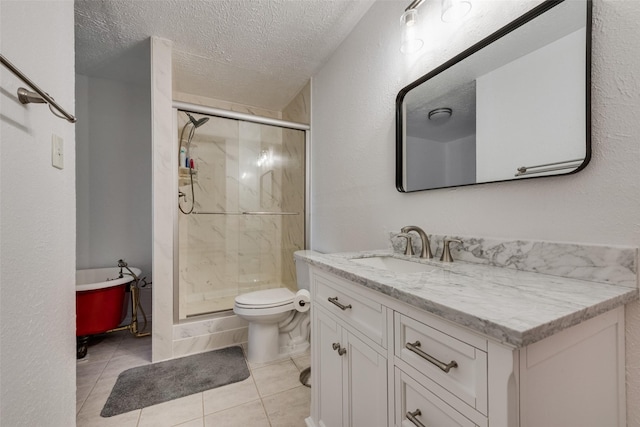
511,306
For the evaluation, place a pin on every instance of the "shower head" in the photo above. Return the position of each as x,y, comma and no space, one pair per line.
197,123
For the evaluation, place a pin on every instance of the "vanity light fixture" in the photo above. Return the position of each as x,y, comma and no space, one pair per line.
452,11
411,42
440,115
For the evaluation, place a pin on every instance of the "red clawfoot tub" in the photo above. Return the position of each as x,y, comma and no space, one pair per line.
100,300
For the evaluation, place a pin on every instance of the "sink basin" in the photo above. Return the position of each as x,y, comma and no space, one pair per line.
396,265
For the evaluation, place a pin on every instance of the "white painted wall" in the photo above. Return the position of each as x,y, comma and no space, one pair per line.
37,221
425,163
549,129
461,161
354,200
113,187
433,164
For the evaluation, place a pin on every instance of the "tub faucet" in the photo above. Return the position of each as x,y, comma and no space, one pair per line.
426,246
122,264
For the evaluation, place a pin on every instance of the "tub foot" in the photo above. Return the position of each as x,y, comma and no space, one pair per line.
82,344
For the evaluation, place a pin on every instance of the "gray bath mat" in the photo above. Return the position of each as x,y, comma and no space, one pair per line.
148,385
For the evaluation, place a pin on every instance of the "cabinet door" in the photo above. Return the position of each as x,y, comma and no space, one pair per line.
330,364
365,385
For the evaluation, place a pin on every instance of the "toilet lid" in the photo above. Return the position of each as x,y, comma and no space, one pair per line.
267,297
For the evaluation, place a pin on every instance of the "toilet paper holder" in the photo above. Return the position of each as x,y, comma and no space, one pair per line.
302,300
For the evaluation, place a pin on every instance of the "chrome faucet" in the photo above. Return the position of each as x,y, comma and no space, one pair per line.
426,246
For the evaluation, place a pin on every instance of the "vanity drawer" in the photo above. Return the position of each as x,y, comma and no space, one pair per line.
456,366
338,297
412,399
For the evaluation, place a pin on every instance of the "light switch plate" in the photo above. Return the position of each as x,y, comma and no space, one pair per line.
57,151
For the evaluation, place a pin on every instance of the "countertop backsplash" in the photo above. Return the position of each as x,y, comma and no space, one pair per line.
609,264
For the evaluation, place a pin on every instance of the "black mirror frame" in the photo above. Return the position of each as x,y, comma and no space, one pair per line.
518,22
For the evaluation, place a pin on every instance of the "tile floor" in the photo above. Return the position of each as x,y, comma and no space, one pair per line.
271,397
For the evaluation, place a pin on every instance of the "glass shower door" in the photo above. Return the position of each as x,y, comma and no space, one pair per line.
248,215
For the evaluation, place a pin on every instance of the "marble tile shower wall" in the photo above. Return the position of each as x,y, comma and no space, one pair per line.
241,167
293,190
293,187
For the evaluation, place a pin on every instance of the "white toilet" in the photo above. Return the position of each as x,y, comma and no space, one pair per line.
276,328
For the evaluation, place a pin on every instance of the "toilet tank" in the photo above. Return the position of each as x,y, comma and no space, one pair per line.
302,275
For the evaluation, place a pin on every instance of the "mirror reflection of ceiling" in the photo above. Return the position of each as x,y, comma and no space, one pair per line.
461,100
253,52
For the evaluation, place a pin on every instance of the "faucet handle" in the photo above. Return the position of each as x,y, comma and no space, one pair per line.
409,249
446,252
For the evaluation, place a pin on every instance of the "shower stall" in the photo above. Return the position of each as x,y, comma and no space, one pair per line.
242,197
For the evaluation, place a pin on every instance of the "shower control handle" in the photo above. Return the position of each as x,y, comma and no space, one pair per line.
335,302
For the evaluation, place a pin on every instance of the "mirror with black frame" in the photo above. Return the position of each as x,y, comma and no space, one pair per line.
516,105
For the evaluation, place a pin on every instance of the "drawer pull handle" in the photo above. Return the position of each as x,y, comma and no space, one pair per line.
446,367
341,350
334,301
411,416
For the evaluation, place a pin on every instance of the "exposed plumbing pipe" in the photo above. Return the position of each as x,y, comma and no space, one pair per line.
135,303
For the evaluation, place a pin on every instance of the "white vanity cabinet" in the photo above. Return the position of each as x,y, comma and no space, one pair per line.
351,365
405,367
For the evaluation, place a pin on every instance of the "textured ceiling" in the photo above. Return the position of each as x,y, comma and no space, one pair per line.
254,52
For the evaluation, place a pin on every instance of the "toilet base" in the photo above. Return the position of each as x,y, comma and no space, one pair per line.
263,343
267,342
290,346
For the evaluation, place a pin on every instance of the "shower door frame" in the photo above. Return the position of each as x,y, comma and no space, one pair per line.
227,114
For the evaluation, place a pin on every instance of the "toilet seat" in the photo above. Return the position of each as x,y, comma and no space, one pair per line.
268,298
